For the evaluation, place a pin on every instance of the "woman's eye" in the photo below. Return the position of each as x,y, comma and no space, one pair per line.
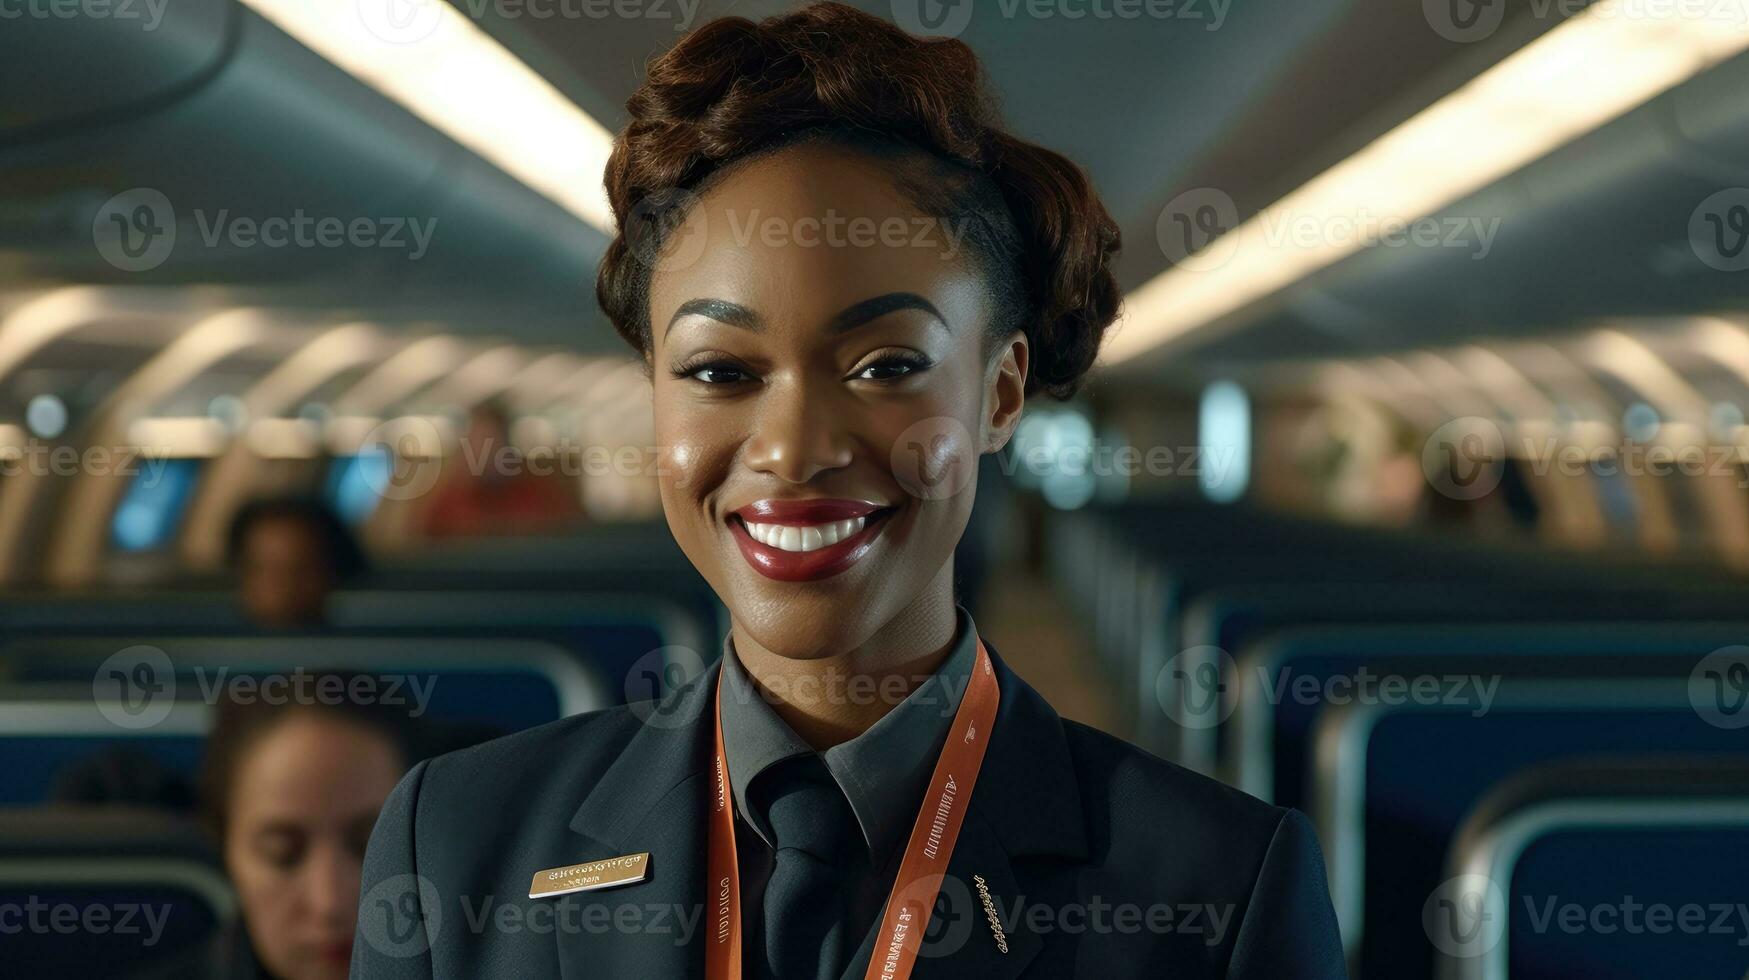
889,368
281,852
715,374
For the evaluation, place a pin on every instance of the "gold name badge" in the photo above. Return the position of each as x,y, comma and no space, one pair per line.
591,875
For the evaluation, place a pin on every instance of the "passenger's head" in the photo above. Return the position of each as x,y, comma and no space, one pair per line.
487,436
288,553
846,278
290,792
489,423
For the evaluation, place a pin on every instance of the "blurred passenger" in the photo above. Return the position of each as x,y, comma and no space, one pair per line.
290,793
497,488
288,554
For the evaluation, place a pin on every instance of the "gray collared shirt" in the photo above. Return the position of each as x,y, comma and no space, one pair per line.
882,772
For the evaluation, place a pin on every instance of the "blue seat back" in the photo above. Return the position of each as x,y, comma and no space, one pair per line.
1272,728
99,893
53,719
45,734
1393,783
1571,913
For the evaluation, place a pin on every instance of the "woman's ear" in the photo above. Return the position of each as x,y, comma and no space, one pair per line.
1005,392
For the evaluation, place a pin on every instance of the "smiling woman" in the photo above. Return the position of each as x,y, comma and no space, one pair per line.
791,384
845,280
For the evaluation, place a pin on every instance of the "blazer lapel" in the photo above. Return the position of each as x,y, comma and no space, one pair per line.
961,937
653,799
1026,805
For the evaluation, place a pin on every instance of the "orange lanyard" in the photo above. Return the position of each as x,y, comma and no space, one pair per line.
922,868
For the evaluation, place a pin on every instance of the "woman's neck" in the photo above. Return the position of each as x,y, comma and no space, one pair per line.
832,699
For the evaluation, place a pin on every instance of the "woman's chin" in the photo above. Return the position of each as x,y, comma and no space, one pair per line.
806,634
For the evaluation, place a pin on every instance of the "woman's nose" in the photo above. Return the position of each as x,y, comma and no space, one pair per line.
331,884
798,434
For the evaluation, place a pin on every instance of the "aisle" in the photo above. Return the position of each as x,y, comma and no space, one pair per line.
1044,644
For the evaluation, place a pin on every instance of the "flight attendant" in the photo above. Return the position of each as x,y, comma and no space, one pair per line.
846,279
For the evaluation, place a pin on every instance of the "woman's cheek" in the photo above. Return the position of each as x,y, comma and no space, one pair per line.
934,457
266,899
686,447
677,464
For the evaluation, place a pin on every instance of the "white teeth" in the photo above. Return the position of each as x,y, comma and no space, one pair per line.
812,537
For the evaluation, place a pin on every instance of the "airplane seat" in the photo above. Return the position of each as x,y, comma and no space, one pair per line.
609,633
1230,617
60,713
1272,734
1611,867
1158,579
97,888
613,633
55,737
1386,822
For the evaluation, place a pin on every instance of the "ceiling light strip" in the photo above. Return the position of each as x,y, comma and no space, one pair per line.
1578,76
439,65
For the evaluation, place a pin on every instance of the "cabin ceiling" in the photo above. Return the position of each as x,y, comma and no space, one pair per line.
1252,99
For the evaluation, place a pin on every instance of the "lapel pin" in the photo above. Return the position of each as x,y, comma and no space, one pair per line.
590,876
990,913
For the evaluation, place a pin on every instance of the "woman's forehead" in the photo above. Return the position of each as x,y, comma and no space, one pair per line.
812,229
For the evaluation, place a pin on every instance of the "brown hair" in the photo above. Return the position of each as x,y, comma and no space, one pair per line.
733,90
239,725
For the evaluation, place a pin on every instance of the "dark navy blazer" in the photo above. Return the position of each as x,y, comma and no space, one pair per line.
1097,859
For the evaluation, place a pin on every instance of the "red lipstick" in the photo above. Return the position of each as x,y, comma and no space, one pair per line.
814,515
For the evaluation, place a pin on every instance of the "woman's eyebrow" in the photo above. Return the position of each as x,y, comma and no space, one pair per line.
851,317
277,828
869,309
733,314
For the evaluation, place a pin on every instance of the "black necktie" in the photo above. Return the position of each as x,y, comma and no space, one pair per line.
807,896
